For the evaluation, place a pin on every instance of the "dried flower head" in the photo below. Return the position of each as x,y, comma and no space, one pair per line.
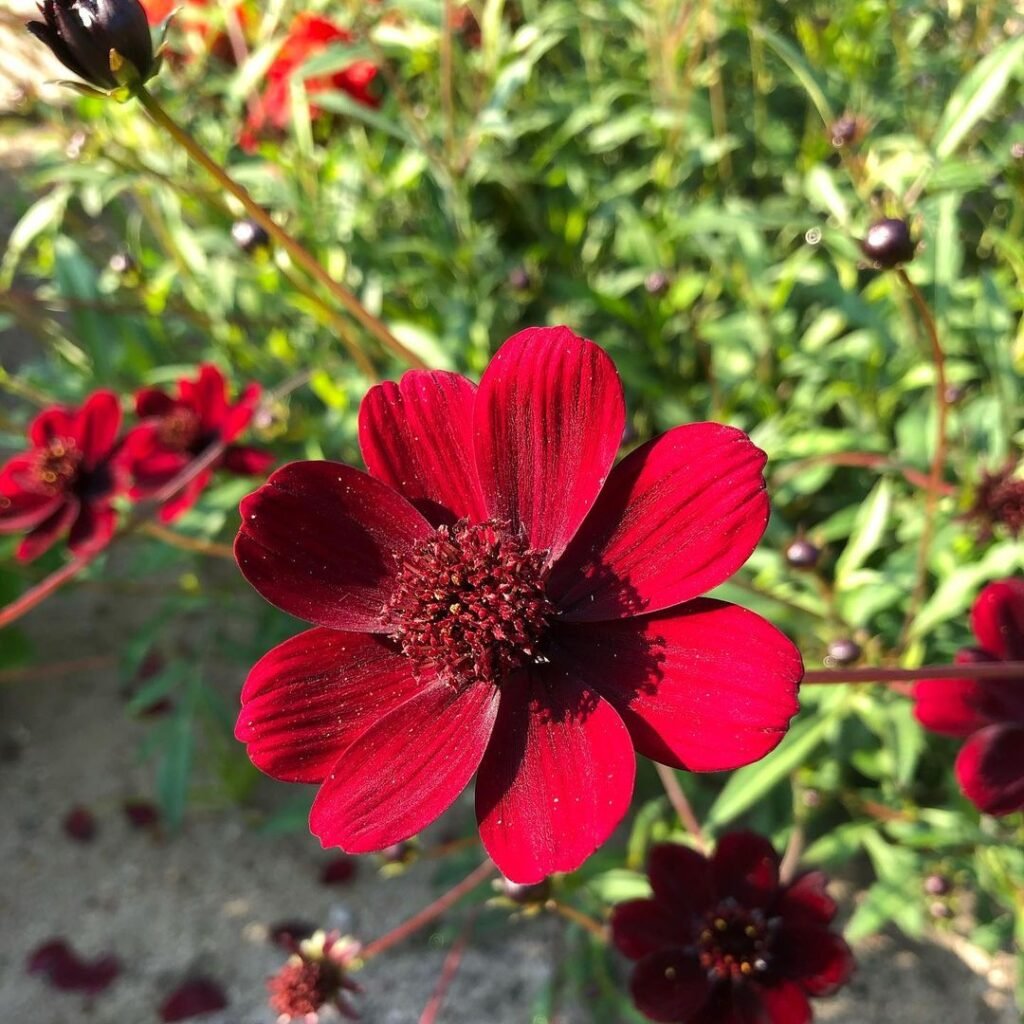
998,502
315,976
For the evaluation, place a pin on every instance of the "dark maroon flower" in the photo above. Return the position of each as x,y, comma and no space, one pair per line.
66,480
314,977
495,599
177,430
66,970
988,713
80,824
888,243
193,998
141,813
723,941
998,502
339,871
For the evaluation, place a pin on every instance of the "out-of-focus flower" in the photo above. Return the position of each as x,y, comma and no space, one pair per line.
141,813
176,430
193,998
888,243
847,130
495,599
315,976
203,19
723,941
466,28
66,970
987,713
80,824
105,42
67,479
309,34
339,870
998,502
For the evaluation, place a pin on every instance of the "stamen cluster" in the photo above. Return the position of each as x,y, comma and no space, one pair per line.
57,465
179,430
734,942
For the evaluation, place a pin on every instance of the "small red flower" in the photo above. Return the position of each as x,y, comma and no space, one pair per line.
174,431
339,871
201,17
494,598
998,502
723,941
193,998
989,713
80,824
66,480
309,34
315,976
66,970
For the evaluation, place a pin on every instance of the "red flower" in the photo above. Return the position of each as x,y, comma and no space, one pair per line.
494,597
193,998
66,970
197,17
989,713
66,479
309,34
722,941
177,430
315,976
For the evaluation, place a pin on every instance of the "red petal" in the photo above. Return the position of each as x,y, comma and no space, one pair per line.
193,998
153,402
998,619
247,461
186,497
642,927
786,1004
557,777
807,900
319,540
677,517
406,769
682,880
706,687
239,415
80,824
141,813
951,706
309,698
21,508
819,960
549,419
66,970
990,767
746,868
48,532
93,529
208,395
52,423
97,426
417,436
669,986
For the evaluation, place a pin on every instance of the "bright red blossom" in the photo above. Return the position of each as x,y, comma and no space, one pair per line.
174,431
67,479
988,713
494,598
722,941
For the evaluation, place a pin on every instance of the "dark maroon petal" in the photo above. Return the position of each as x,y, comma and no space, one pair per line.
246,461
807,900
208,395
51,424
733,1004
557,777
153,402
417,436
786,1004
80,824
239,415
707,686
97,425
681,879
406,769
746,868
48,532
339,870
193,998
990,768
22,509
998,619
549,419
93,528
141,813
288,934
312,696
66,970
677,517
186,496
322,541
642,927
669,986
151,467
819,960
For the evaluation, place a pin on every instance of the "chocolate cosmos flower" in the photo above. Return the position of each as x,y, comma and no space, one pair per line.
494,597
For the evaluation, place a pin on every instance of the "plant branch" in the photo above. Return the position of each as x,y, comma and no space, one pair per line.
449,970
577,917
681,805
981,670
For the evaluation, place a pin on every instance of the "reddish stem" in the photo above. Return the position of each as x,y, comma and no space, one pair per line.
448,971
677,798
866,460
983,670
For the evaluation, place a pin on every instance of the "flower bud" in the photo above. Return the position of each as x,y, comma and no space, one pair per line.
888,243
937,885
249,236
656,283
105,42
519,279
526,894
843,652
845,131
122,263
802,554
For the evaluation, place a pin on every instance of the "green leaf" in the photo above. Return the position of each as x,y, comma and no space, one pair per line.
42,215
868,532
794,59
175,768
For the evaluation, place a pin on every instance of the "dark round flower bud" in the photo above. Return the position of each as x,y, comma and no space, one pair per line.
888,243
802,554
519,279
844,131
105,42
526,894
937,885
249,236
656,283
122,263
843,652
955,393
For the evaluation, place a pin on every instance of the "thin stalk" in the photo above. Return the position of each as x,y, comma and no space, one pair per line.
281,237
447,81
449,969
577,917
866,460
982,670
681,805
52,669
185,543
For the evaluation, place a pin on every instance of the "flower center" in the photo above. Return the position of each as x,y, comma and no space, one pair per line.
470,603
179,430
734,942
57,465
302,987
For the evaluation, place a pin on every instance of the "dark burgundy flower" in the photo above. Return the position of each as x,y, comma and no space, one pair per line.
723,941
174,431
141,813
309,34
802,554
314,977
80,824
999,502
66,970
494,598
988,713
105,42
67,479
339,870
193,998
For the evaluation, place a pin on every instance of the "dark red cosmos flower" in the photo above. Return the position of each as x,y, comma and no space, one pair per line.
989,713
998,502
309,34
723,941
315,976
80,824
174,431
193,998
493,595
66,970
66,480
